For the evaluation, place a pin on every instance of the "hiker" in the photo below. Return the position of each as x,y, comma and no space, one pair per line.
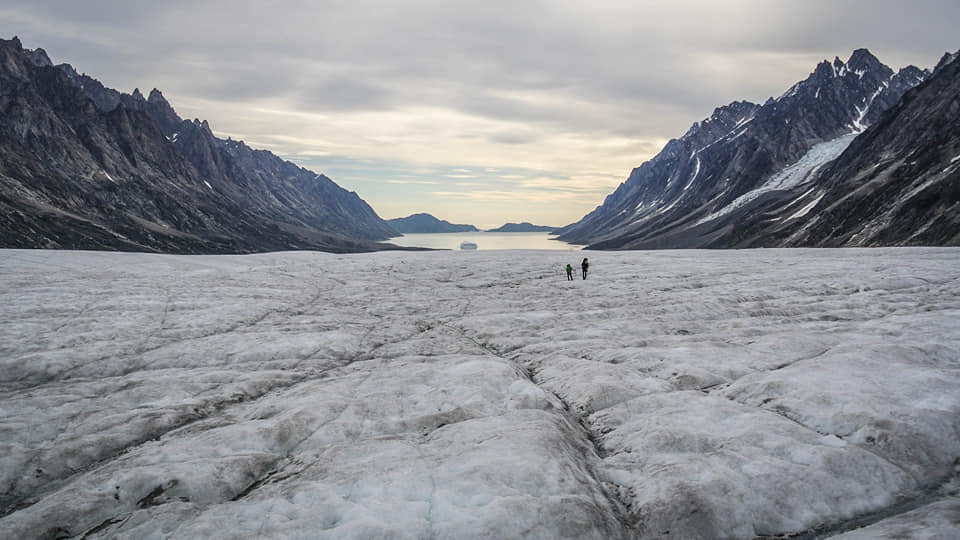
569,272
584,265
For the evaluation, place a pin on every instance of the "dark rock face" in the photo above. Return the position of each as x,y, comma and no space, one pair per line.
106,99
706,187
85,167
523,227
898,184
426,223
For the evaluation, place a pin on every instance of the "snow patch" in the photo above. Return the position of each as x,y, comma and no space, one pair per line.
806,209
696,173
738,134
743,121
858,125
913,192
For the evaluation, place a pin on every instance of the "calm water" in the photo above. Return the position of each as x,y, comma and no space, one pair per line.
484,240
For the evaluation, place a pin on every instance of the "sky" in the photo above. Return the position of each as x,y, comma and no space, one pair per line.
475,112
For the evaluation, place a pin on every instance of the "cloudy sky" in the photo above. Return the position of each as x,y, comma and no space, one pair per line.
476,112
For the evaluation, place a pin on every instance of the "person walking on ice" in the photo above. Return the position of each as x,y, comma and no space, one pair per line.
569,272
584,265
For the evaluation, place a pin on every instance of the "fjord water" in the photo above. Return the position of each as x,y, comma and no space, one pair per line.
484,241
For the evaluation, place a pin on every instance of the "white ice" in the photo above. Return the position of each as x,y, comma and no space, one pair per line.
791,176
674,394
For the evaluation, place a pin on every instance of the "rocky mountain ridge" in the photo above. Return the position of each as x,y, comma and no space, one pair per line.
701,189
898,183
87,167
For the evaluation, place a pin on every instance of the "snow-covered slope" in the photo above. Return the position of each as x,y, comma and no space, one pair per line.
445,395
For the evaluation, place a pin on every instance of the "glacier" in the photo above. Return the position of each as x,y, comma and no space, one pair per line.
792,176
673,394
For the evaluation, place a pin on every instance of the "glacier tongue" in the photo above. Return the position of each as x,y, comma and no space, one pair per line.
793,175
683,394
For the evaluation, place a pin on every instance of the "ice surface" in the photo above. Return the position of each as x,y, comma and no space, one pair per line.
686,394
936,521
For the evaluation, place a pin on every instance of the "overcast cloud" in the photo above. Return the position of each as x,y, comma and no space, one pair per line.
546,105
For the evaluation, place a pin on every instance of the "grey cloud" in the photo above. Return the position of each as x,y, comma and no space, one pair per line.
102,13
514,138
345,94
651,69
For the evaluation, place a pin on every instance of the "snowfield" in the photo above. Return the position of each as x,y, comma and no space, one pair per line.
673,394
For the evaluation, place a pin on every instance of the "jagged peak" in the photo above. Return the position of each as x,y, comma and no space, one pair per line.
156,97
827,69
733,112
38,57
203,125
861,62
912,74
824,70
69,70
137,95
162,112
863,59
945,60
911,69
839,68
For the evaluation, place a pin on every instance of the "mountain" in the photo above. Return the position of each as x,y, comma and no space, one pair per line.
86,167
896,184
701,189
425,223
522,227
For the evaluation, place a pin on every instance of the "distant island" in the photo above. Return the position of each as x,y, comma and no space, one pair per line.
425,223
523,227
